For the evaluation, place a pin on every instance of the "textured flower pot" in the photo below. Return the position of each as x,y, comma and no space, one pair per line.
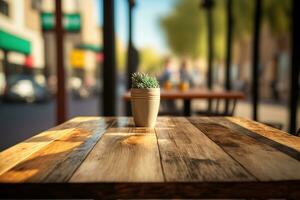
145,106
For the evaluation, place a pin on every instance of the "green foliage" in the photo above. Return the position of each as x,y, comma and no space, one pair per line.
278,15
150,60
143,81
185,29
275,13
219,26
243,11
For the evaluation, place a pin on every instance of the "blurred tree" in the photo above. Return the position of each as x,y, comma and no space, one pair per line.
185,29
277,14
219,23
150,61
242,14
243,11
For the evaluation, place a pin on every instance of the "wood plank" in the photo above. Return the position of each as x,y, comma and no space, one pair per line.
21,151
123,154
263,161
261,138
188,155
57,161
268,132
67,167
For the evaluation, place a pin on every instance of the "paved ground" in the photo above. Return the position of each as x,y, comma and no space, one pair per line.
21,121
267,113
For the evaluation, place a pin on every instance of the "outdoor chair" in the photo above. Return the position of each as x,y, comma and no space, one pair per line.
217,110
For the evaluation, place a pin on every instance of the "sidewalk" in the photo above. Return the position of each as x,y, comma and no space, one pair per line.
268,113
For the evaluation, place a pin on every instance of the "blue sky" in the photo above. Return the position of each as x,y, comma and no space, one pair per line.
146,15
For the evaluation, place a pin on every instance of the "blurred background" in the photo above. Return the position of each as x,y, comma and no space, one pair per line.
162,35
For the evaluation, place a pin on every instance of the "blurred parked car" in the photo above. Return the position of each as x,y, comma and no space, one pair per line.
25,88
79,91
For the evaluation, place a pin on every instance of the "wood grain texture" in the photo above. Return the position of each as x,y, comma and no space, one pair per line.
123,154
261,138
57,161
263,161
109,158
194,94
21,151
188,155
268,132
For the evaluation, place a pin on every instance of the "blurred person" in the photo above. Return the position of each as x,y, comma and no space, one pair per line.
168,106
186,78
167,74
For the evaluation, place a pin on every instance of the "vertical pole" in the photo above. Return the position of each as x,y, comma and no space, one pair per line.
109,65
130,44
229,47
208,5
255,59
210,48
61,107
229,44
295,65
130,53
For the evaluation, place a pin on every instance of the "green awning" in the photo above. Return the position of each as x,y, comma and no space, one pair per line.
10,42
71,21
47,20
90,47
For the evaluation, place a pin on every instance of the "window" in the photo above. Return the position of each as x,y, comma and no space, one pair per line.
4,8
36,4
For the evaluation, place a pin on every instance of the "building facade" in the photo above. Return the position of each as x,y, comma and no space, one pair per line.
27,39
82,41
21,38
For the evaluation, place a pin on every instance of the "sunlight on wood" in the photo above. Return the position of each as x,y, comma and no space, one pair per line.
19,176
138,139
268,132
84,119
12,155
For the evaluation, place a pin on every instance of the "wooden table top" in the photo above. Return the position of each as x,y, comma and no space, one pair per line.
194,94
196,157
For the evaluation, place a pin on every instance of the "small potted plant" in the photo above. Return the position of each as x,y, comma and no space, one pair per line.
145,99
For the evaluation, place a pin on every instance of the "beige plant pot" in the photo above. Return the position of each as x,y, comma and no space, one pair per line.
145,106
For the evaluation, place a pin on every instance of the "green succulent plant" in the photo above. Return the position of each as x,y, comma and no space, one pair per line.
143,81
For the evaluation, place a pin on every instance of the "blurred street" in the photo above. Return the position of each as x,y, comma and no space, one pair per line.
21,121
